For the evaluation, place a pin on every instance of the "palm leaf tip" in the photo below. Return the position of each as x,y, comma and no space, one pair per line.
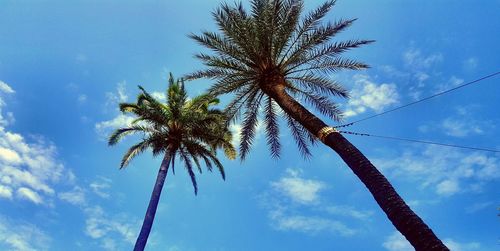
230,152
116,136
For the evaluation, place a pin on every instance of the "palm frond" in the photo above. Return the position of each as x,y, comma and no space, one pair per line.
189,167
118,134
133,152
272,128
318,84
189,129
272,45
249,124
299,134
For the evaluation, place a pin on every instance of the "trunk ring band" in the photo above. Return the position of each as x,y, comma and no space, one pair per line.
325,131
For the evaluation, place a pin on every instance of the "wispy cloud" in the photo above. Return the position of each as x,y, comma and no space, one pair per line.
310,224
479,206
418,68
446,171
397,242
119,96
18,236
460,128
82,98
101,186
454,81
415,59
349,211
470,64
294,203
76,196
462,123
113,231
104,128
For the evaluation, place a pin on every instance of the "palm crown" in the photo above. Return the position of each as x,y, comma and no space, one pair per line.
271,45
191,129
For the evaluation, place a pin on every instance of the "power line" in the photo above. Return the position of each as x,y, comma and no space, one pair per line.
421,141
420,100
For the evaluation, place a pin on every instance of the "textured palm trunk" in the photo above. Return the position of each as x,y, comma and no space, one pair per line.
142,239
399,213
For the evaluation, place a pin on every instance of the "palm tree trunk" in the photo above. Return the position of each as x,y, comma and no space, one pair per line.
153,204
399,213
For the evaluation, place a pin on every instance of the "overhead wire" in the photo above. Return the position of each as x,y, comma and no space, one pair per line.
421,141
420,100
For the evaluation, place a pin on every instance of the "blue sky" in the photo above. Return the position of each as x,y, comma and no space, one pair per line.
65,65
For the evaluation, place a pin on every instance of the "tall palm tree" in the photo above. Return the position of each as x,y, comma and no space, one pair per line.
270,58
190,129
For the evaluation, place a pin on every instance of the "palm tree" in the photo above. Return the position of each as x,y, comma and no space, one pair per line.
190,129
271,59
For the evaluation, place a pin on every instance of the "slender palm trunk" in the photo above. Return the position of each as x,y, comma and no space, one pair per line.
399,213
153,204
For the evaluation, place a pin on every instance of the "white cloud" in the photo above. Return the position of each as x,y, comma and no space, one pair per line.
101,186
110,228
5,192
300,190
236,131
25,177
30,168
397,242
448,171
236,128
9,156
104,128
160,96
456,246
447,187
4,87
367,94
17,236
28,194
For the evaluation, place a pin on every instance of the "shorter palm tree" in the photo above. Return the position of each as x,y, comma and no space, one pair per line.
189,129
